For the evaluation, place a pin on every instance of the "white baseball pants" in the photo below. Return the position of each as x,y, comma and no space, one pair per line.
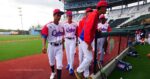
55,52
85,58
70,46
100,46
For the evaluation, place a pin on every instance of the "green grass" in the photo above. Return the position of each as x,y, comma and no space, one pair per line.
141,65
16,37
16,49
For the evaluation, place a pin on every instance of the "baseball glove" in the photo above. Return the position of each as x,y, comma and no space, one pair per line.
44,50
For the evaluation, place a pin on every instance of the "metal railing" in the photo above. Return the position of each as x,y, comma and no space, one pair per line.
121,40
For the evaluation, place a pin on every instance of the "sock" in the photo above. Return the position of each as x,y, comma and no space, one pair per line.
58,74
52,67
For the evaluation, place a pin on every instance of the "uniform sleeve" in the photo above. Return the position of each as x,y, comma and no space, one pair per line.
79,28
44,32
91,27
98,26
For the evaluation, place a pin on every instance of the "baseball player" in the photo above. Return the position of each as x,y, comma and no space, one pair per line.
148,40
53,32
103,26
142,36
70,41
81,54
137,36
87,35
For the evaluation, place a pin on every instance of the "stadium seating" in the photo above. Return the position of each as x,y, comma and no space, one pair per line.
116,22
132,12
118,17
80,4
76,17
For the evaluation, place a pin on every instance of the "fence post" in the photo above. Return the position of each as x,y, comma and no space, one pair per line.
95,53
119,44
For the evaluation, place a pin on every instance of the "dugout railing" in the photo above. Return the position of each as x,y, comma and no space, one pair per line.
116,48
117,42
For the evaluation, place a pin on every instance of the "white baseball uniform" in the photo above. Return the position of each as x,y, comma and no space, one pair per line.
70,42
137,37
86,72
54,38
148,38
100,41
85,58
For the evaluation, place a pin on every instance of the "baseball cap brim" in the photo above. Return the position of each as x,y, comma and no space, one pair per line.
61,13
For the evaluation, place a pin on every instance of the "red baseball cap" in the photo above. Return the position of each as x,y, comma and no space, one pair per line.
57,11
102,3
102,16
69,13
88,10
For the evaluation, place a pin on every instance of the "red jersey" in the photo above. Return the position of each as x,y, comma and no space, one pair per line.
89,25
80,27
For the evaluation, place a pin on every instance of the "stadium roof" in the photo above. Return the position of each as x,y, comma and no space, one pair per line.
93,3
73,0
113,3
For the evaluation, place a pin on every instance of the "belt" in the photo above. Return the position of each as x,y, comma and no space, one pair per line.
55,44
70,38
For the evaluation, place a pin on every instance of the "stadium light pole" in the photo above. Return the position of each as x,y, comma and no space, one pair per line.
20,14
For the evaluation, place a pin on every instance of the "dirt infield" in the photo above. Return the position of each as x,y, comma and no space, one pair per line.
31,67
36,67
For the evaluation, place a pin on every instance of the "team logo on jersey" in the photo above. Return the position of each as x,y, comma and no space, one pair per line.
69,30
104,29
57,33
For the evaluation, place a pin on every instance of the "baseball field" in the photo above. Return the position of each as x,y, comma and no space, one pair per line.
15,46
28,49
21,58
